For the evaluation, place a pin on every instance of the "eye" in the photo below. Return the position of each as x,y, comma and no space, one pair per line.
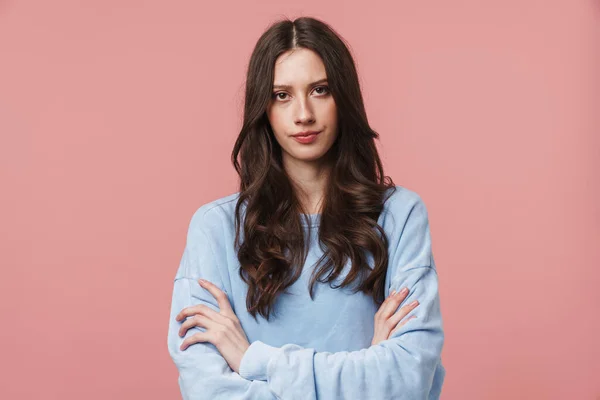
321,90
276,95
325,89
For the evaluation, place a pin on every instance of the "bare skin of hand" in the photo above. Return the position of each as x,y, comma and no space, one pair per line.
387,321
223,328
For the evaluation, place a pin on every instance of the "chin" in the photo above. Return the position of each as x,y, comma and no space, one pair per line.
309,156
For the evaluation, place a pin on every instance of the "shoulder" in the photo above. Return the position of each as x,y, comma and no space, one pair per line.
214,213
204,251
401,204
401,197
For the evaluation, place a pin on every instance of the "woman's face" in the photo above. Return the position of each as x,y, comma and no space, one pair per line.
301,102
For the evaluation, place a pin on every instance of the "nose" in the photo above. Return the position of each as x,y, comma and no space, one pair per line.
304,114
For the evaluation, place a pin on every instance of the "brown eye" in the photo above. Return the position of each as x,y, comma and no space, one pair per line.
324,88
276,95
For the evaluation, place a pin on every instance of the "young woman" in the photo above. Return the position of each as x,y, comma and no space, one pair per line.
280,291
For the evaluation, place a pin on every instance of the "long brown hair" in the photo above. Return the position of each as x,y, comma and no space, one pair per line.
274,247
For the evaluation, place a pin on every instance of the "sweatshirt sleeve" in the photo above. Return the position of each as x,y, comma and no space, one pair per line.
203,372
401,367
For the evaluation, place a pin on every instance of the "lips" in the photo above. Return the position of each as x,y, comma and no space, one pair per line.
306,134
306,139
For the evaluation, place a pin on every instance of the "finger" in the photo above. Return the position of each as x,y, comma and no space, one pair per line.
386,301
219,295
188,312
400,325
200,321
195,338
200,309
403,312
393,303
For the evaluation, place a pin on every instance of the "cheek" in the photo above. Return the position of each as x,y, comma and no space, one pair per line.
331,115
276,119
330,111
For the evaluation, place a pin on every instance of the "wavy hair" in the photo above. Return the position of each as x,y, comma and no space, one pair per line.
274,247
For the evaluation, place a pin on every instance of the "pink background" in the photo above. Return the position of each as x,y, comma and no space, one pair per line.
117,119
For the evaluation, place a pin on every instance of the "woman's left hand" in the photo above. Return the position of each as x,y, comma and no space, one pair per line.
223,328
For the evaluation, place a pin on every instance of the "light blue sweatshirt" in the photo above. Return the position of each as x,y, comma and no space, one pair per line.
313,349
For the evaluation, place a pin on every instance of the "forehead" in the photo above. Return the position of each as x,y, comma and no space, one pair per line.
298,67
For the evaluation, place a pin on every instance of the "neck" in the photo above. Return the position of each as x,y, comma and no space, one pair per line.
309,180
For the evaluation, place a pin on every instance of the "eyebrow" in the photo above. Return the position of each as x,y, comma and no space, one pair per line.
289,86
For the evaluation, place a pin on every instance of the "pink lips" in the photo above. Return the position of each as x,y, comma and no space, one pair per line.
306,139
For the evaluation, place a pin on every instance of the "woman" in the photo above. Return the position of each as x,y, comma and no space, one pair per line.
298,263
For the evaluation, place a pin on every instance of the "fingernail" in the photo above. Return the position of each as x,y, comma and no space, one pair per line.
414,303
404,291
393,293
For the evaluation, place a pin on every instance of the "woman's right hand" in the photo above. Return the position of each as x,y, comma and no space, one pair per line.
385,318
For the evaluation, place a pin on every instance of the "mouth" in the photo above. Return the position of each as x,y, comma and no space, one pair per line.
306,137
306,134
